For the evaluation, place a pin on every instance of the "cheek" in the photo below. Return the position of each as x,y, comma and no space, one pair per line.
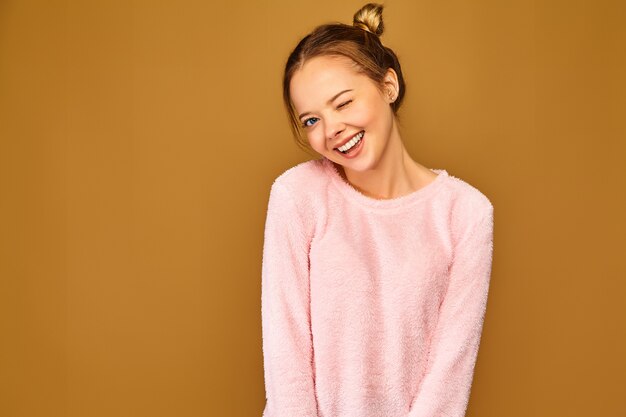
364,115
316,140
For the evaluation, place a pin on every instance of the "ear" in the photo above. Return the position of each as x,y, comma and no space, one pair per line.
391,84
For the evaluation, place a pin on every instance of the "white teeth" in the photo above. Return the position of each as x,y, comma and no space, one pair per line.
351,143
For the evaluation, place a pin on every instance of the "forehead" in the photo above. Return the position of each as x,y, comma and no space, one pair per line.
322,77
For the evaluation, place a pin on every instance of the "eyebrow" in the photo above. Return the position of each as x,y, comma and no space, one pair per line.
328,102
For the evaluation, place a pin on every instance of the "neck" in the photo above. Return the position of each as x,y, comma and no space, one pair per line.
395,174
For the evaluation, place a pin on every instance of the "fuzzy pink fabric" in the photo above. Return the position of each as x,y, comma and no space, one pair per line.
372,308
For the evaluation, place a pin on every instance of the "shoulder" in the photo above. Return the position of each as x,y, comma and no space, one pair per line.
301,188
304,182
468,206
466,196
301,175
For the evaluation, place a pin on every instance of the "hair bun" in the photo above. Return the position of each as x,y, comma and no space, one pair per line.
370,18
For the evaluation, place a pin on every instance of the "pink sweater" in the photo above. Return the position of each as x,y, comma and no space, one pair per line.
372,308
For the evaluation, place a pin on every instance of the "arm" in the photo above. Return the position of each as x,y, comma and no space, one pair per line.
445,388
286,322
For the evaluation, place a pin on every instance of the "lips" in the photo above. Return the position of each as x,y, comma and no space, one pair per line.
355,151
343,142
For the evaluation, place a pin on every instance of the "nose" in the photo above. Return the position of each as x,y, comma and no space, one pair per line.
333,128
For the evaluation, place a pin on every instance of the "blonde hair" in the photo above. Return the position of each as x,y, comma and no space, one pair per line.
370,18
359,42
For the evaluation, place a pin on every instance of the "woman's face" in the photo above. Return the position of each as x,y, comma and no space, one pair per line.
335,103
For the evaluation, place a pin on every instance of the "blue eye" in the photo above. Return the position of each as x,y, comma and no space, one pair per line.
306,125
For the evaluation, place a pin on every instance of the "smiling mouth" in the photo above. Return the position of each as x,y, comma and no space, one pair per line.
355,140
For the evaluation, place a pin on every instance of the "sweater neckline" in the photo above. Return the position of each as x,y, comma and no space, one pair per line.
353,194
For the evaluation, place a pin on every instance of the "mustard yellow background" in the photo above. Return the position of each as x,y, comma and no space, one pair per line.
138,142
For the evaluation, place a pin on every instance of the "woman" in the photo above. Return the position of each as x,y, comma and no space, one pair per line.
376,269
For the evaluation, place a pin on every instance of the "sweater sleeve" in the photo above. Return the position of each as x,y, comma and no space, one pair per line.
445,388
285,311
